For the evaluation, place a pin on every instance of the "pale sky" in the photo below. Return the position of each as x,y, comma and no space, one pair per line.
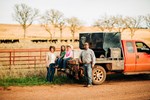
85,10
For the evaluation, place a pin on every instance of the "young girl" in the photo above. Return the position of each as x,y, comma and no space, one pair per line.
61,56
68,56
50,61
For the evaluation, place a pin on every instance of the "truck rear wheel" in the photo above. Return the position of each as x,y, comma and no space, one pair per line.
98,75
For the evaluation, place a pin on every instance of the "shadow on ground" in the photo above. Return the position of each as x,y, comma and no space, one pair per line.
122,77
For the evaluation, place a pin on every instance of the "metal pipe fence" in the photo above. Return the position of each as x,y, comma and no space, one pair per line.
23,57
28,57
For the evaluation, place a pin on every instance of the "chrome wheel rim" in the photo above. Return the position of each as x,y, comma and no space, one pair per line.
98,75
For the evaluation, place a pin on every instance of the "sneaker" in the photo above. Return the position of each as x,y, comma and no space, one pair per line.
89,85
62,69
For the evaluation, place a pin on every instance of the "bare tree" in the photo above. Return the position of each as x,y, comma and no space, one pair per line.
108,22
53,19
47,25
147,20
25,15
119,23
74,25
99,24
105,23
61,26
133,24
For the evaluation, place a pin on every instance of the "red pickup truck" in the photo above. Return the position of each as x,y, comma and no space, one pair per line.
113,55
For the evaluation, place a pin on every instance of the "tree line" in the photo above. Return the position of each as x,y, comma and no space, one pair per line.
55,19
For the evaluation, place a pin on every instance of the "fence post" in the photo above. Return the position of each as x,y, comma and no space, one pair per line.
14,57
28,59
35,65
10,59
40,54
34,61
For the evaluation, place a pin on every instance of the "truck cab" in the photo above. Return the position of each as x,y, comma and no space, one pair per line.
137,57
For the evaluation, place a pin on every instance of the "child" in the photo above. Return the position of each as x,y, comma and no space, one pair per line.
68,56
50,61
61,56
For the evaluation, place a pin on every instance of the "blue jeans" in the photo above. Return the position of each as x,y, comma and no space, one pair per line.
65,62
50,72
59,62
88,73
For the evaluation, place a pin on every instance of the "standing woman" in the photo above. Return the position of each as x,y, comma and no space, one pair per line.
50,61
61,56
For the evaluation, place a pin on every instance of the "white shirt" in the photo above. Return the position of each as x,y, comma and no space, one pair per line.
50,58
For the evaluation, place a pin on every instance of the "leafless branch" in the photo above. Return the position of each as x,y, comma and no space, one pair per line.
25,15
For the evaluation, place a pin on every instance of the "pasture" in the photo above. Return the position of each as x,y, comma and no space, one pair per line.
38,38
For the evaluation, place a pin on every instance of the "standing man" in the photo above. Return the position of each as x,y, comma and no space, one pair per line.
87,57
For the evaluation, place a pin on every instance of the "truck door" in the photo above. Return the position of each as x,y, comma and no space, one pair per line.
142,57
129,53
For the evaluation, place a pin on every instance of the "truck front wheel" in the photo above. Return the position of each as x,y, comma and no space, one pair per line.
98,75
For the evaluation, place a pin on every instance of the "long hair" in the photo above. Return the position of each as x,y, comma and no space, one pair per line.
62,48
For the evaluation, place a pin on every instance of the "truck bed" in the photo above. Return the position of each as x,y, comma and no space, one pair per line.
112,63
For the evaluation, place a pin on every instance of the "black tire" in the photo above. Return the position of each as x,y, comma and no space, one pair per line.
98,75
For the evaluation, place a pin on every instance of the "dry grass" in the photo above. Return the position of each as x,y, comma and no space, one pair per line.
28,45
8,31
18,72
36,31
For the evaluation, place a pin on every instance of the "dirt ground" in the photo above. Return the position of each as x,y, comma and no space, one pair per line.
128,88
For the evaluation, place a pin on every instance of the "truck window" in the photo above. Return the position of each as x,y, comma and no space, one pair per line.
142,47
130,48
100,40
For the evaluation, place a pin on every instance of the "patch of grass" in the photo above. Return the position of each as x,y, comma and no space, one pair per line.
34,80
22,81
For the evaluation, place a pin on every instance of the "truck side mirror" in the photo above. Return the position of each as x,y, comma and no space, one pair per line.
148,51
